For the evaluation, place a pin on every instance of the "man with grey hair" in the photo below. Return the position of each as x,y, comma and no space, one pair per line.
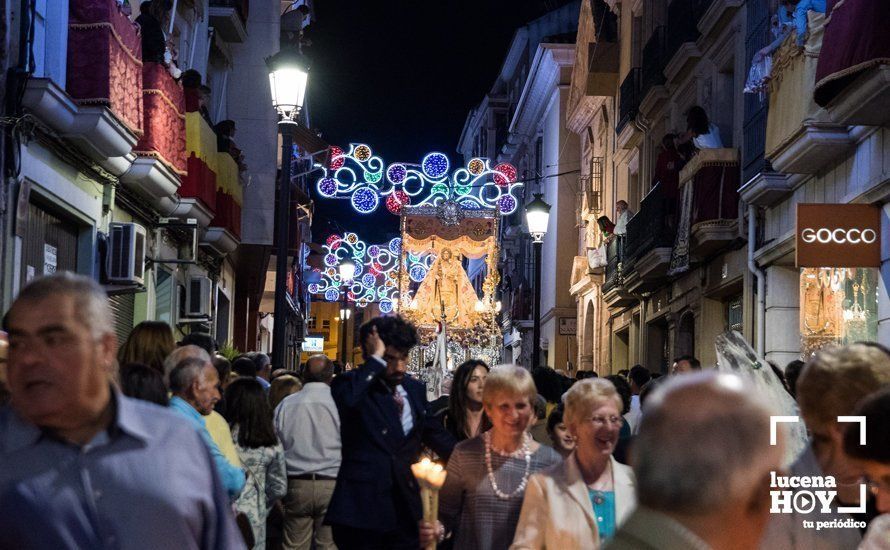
308,426
194,383
702,460
74,451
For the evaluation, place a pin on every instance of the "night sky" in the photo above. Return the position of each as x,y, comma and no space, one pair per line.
401,76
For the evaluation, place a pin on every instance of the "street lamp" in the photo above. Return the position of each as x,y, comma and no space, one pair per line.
537,215
347,273
287,80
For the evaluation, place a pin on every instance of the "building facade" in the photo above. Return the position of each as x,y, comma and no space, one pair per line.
711,247
133,161
521,121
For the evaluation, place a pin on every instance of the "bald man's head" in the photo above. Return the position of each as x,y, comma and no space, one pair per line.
704,443
318,369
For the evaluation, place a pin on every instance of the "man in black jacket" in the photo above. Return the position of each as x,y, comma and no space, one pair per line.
384,419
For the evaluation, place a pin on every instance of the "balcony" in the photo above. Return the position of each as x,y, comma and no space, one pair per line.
160,154
682,33
614,292
100,109
628,107
650,239
713,218
801,138
653,92
198,191
229,19
224,233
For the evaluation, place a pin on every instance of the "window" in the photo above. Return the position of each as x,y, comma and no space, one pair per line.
51,40
838,306
326,324
734,314
311,323
164,296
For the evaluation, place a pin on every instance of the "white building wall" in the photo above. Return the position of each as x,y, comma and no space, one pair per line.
250,101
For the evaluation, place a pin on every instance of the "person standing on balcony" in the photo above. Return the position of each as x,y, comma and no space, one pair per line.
800,17
154,43
624,214
703,133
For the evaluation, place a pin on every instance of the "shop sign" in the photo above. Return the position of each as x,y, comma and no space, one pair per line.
838,235
568,326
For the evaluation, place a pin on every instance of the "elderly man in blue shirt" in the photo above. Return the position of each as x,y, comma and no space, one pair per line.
81,465
194,383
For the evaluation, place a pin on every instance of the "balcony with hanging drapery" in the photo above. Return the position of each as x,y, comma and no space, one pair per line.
709,206
853,73
100,108
160,154
801,138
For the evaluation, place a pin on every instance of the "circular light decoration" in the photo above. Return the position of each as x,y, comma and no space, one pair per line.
435,165
351,238
362,302
330,272
373,251
396,173
327,187
439,188
369,279
330,260
507,204
362,153
313,288
504,174
476,166
469,204
334,238
396,201
331,295
385,306
373,177
417,273
365,200
395,245
338,159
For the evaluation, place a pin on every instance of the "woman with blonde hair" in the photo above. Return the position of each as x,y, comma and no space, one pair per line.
580,503
487,475
149,343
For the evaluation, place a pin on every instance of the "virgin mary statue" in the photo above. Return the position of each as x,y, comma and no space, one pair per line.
446,293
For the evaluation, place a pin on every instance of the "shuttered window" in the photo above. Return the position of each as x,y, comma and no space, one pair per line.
122,308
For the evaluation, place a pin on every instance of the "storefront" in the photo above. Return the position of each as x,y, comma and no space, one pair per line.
838,252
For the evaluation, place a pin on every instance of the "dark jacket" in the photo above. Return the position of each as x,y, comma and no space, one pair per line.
375,483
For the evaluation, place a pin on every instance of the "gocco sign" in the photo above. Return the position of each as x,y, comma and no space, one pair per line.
838,235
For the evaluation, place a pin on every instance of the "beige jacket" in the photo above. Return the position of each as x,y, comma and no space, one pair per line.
557,512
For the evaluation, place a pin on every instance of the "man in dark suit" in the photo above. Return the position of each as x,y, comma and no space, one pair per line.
384,419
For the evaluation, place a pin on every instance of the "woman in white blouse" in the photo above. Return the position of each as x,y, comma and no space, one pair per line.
581,502
703,133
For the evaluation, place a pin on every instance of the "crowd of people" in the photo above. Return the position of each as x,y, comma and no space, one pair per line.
169,445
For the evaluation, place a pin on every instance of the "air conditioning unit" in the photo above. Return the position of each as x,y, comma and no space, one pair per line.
198,296
125,263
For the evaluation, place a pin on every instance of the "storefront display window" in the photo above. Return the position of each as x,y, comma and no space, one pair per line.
838,306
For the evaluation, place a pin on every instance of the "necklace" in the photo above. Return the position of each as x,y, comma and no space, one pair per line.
524,451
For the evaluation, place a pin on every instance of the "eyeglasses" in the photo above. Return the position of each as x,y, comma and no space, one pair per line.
600,421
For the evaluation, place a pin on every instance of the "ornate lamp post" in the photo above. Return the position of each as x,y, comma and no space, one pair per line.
288,76
347,273
537,215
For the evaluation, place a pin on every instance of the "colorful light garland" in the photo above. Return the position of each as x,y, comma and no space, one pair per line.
359,176
375,277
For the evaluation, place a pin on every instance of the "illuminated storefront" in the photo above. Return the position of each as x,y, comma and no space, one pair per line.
838,253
